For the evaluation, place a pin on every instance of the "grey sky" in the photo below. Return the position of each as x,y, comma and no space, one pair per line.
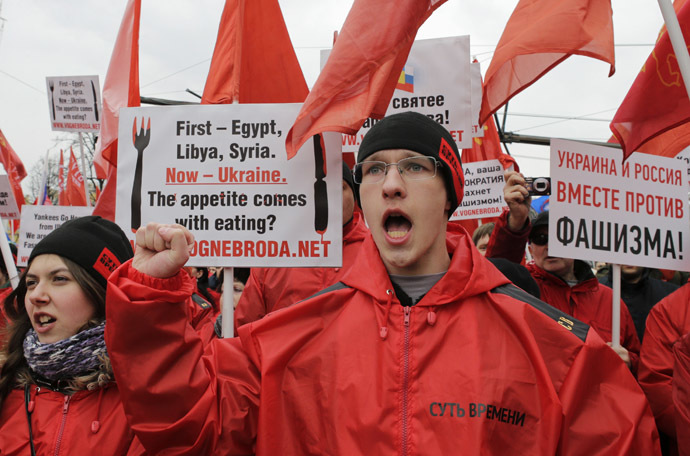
53,38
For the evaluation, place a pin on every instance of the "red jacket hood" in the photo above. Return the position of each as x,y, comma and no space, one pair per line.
586,279
472,273
355,230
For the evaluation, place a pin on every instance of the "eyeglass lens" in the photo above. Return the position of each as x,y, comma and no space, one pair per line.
413,168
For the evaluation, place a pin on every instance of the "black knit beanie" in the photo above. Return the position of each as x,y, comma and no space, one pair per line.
94,243
418,133
541,220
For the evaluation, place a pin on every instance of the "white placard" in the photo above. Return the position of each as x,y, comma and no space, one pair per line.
435,81
484,183
8,204
476,95
684,155
602,209
222,171
74,103
39,221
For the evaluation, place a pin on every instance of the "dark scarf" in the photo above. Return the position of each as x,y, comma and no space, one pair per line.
68,358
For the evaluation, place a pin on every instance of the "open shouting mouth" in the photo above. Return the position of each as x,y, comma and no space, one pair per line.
397,225
43,322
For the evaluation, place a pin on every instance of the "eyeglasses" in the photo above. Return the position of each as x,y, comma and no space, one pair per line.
412,168
539,239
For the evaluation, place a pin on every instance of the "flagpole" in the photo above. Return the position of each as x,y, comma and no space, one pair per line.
228,304
677,41
616,307
44,181
227,309
83,170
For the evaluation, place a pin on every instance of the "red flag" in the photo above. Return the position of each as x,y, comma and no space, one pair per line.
488,148
74,193
101,166
105,204
539,35
656,103
61,181
121,87
14,168
254,61
362,71
667,144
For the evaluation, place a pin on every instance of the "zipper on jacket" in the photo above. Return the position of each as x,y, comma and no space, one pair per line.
406,375
65,408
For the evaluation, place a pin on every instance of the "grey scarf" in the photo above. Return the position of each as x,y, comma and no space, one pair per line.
68,358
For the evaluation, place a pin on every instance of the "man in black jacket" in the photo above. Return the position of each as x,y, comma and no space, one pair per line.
639,292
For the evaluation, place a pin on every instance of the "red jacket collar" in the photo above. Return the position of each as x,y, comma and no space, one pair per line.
469,273
586,279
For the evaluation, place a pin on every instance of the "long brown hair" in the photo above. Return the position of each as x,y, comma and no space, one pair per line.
13,365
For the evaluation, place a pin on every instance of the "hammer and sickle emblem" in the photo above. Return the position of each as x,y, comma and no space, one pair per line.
667,68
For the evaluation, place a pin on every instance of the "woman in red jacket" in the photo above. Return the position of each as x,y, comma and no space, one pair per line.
57,393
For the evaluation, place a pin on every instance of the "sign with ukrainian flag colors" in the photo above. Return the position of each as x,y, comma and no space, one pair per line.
406,80
435,81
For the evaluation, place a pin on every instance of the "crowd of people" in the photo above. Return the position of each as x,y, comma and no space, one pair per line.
428,339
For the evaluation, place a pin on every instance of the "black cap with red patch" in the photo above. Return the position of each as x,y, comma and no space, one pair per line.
94,243
418,133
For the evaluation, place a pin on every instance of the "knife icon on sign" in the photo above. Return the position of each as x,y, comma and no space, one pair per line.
95,101
320,190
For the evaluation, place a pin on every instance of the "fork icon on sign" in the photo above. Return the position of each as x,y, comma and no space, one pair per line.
141,140
52,97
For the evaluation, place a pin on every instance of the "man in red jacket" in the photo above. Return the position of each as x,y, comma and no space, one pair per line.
667,323
270,289
681,393
567,284
422,348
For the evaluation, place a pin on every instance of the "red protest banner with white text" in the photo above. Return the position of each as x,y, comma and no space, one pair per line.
222,171
602,209
75,195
